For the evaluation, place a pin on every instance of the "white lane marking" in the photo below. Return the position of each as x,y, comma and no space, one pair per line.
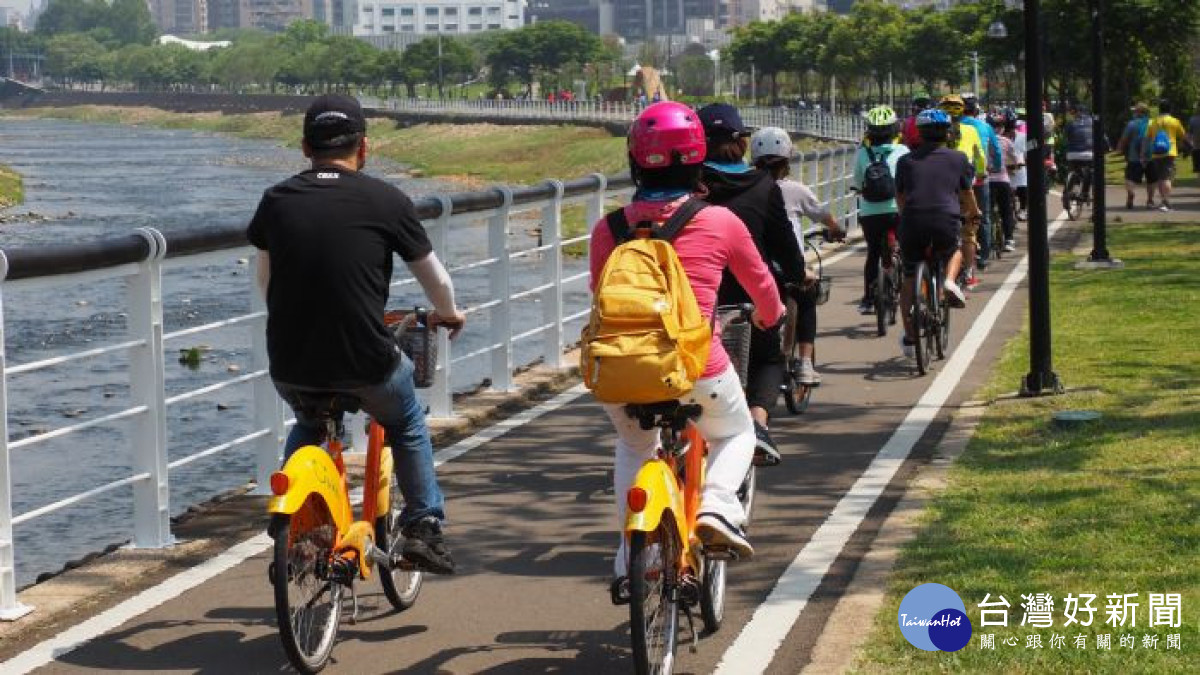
760,638
80,634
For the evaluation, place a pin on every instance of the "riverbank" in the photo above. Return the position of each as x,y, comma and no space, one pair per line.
473,155
11,188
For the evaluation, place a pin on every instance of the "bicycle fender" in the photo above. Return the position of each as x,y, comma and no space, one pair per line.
311,471
662,494
386,477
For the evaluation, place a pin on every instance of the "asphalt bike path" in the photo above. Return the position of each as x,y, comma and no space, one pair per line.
533,530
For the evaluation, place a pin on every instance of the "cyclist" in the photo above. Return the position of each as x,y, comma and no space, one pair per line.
964,138
1014,129
326,238
908,133
933,183
1130,144
771,151
666,147
757,200
877,217
1166,128
991,149
1080,146
1000,180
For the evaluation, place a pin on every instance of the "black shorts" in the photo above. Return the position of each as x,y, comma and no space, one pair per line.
1160,169
1134,172
919,232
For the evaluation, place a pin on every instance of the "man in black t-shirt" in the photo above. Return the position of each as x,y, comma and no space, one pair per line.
326,238
933,187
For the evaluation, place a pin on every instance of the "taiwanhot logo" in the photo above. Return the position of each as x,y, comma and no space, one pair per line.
932,617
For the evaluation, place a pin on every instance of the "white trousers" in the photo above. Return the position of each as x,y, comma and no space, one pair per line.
726,425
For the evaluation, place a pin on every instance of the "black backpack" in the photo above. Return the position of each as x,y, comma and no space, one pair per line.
878,183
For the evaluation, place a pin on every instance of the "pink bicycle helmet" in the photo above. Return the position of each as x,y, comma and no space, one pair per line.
662,132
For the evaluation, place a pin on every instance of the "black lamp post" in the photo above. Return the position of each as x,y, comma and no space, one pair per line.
1041,378
1099,256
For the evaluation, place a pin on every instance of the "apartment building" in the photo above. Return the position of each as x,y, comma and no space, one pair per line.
422,17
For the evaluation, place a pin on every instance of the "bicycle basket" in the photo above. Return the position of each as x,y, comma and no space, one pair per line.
735,337
418,341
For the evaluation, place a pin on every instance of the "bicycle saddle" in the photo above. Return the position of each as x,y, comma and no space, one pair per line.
323,406
650,415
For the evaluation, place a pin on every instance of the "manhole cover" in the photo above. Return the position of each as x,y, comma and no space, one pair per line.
1070,418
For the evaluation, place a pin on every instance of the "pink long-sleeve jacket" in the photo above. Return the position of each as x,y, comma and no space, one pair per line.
714,239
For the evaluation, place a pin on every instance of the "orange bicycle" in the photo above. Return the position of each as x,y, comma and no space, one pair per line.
320,549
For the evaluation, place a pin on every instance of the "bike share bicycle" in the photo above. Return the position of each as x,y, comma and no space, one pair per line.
1079,176
670,571
320,550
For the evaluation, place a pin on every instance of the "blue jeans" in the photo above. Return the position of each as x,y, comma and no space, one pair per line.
394,405
983,197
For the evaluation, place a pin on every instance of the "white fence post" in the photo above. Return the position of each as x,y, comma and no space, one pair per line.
268,409
552,297
500,315
11,608
440,395
151,497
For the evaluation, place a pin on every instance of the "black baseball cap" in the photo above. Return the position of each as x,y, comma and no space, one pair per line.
722,120
334,121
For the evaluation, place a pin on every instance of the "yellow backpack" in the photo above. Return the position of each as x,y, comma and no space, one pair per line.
646,340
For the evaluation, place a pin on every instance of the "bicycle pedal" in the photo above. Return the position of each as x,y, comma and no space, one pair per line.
720,552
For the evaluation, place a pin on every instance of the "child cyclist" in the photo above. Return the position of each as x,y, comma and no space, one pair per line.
666,148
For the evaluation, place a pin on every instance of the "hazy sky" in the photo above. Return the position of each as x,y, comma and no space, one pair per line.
22,5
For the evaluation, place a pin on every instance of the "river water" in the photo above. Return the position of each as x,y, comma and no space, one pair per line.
86,181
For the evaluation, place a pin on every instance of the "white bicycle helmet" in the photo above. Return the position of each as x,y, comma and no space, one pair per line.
770,142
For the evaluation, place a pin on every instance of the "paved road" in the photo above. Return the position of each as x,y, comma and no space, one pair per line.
533,534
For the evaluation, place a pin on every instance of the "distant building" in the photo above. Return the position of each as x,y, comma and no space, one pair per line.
184,17
425,17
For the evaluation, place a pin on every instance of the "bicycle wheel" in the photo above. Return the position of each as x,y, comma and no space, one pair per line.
712,595
883,280
997,233
942,316
919,309
400,586
308,606
745,494
653,603
893,303
1072,195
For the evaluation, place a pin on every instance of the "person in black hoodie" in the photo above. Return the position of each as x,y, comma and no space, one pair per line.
754,196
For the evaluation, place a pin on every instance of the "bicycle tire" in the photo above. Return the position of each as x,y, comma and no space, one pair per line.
303,559
943,323
918,310
745,494
997,233
894,296
712,594
654,602
882,295
1072,198
400,586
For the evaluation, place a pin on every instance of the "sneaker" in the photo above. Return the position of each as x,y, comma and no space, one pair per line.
972,283
808,374
1164,207
866,306
713,530
1021,215
425,547
1010,246
954,294
1150,206
908,348
765,452
1129,203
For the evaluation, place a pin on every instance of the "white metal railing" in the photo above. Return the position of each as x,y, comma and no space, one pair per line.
835,126
522,291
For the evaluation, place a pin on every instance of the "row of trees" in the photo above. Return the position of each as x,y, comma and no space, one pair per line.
81,47
1149,49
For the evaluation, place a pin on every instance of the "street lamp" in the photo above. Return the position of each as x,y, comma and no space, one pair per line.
715,56
974,73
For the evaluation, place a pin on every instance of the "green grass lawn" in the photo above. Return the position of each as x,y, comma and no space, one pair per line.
1109,508
11,192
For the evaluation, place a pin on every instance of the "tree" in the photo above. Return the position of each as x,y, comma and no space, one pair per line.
439,59
548,47
75,57
129,21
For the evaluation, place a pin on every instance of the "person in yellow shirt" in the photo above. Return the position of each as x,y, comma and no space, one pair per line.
1164,139
965,139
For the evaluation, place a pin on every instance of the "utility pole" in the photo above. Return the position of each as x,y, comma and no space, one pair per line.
440,95
1041,378
975,74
